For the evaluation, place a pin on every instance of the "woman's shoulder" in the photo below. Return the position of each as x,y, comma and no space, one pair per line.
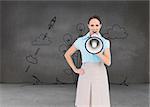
81,37
106,41
78,39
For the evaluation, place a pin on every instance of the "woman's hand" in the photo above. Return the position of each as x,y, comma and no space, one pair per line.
106,57
79,71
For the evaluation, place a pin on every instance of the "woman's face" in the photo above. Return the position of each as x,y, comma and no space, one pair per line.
94,26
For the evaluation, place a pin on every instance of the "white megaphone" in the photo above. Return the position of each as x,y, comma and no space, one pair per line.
94,44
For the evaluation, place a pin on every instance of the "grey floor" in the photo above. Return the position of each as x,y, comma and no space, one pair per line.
28,95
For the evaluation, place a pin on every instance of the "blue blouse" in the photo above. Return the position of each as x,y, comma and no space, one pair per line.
85,55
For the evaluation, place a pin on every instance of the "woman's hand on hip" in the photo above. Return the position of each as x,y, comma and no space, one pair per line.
79,71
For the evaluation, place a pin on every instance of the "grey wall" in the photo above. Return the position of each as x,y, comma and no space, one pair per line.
26,57
0,47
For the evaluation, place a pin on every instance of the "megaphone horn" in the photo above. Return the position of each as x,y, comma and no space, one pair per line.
94,45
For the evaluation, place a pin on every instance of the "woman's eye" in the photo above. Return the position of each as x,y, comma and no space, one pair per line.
92,25
97,25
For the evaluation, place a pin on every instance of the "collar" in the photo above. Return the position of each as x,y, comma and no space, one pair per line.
88,35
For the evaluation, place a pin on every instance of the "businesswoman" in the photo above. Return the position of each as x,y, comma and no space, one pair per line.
92,86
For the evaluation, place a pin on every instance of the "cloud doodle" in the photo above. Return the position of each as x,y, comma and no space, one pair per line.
116,32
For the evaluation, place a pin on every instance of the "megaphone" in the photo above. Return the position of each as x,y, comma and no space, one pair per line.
94,44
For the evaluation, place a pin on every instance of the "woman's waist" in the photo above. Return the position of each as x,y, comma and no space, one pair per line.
91,68
92,63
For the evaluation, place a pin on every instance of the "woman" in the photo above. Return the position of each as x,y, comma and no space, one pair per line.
92,87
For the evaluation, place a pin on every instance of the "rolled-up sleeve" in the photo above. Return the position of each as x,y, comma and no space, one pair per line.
76,43
107,44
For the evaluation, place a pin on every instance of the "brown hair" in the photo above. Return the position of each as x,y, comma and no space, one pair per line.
94,17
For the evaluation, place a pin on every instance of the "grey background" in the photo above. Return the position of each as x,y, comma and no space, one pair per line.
0,46
23,22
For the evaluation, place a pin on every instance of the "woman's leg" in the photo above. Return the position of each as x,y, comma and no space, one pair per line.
83,89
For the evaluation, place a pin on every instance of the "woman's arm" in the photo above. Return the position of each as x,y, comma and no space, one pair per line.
69,60
106,57
68,55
